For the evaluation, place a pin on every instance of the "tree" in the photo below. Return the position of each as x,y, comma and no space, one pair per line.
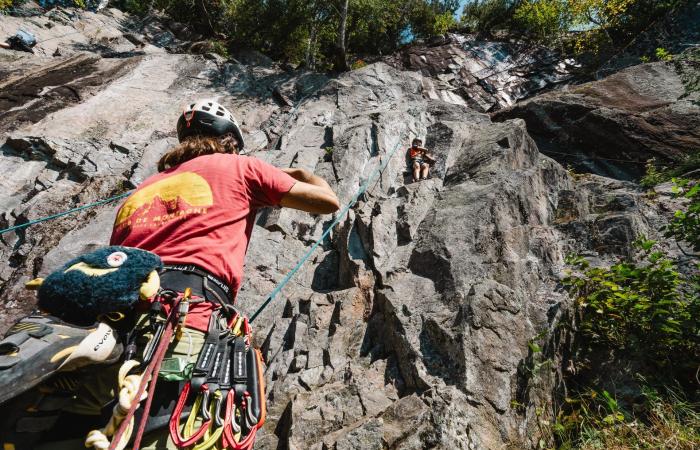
341,61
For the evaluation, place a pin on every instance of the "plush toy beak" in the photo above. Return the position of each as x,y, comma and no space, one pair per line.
34,284
150,287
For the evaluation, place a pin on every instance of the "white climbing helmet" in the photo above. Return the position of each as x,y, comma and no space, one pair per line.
208,118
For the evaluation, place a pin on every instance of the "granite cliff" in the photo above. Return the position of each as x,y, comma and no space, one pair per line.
409,327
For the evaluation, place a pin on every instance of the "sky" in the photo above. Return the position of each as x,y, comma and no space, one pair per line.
461,7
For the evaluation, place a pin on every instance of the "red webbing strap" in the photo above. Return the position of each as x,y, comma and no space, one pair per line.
227,439
174,424
157,358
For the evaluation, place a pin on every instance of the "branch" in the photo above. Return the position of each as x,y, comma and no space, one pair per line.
694,255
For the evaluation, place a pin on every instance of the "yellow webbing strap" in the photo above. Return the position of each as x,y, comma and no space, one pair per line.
210,438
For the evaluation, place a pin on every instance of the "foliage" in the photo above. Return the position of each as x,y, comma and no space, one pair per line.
359,64
443,23
5,4
581,26
644,311
219,47
306,31
487,15
648,309
685,225
662,419
686,65
652,175
543,18
663,55
138,7
656,174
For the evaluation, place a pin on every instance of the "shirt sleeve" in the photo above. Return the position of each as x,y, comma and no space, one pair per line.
266,183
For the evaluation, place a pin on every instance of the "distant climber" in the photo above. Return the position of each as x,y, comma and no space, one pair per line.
421,160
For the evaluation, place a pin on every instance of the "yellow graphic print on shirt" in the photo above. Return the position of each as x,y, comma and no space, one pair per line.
168,199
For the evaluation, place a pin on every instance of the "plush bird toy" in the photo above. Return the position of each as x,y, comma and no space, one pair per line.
108,280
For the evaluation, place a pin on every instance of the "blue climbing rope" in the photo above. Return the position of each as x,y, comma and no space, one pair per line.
65,213
339,217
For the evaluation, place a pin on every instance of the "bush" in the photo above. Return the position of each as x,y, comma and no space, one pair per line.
359,64
647,310
543,18
646,314
443,23
656,174
219,47
662,419
486,16
663,55
685,225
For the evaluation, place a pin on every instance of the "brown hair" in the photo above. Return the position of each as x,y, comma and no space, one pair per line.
195,146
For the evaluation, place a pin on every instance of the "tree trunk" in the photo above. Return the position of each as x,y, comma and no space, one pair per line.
309,58
341,62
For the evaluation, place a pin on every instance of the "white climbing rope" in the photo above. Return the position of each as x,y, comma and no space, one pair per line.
128,388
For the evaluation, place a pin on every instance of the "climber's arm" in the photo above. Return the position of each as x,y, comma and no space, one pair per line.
310,193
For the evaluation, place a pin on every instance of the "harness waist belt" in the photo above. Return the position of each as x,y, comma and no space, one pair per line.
178,277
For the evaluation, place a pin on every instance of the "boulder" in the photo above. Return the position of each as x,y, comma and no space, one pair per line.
613,126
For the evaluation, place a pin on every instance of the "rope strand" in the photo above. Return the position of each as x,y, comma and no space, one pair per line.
355,198
65,213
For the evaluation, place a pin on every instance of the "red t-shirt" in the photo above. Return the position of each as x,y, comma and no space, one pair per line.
415,152
201,212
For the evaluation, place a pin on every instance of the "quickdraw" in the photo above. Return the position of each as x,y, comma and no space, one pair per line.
230,391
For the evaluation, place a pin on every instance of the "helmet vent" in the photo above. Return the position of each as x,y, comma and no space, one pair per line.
220,113
206,108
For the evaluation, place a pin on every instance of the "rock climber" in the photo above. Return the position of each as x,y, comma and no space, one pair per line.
197,213
420,160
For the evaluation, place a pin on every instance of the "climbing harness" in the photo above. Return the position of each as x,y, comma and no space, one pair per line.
225,386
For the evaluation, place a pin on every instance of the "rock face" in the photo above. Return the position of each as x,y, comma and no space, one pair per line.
613,126
409,327
486,76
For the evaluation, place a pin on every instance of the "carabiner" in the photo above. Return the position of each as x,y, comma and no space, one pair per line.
174,425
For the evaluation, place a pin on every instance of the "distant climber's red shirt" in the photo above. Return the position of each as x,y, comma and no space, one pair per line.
201,212
415,152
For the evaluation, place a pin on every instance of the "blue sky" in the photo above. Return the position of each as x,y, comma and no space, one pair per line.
461,6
